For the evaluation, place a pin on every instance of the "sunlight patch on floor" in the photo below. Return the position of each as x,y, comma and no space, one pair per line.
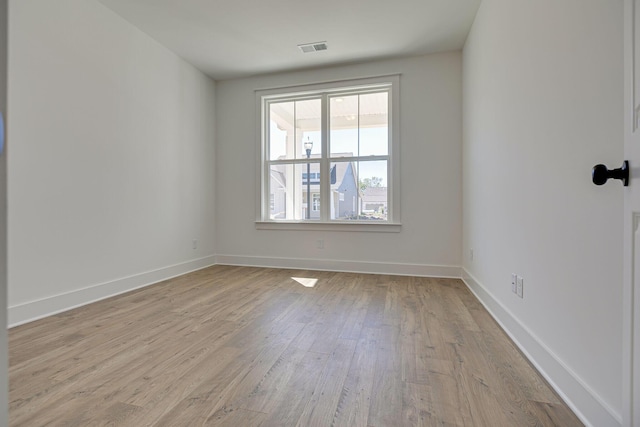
306,281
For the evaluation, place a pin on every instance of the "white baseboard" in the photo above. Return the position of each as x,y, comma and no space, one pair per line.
582,399
34,310
397,269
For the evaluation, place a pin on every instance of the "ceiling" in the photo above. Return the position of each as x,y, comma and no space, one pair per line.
235,38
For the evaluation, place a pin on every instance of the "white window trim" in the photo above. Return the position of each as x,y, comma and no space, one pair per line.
393,222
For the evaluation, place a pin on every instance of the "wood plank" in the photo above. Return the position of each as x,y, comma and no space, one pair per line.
291,401
355,398
323,405
386,398
417,409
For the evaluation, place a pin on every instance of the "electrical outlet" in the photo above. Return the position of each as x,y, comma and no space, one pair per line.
194,244
320,244
471,254
520,286
514,286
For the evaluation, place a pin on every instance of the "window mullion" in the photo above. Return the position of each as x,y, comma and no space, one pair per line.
265,157
325,179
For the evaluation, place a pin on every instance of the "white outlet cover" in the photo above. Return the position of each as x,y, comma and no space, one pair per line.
520,287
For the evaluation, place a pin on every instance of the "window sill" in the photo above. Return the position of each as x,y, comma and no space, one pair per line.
329,226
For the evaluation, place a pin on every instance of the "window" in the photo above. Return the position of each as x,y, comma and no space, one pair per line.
335,145
316,202
312,176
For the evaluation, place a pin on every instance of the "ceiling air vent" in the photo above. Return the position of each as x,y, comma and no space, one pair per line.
313,47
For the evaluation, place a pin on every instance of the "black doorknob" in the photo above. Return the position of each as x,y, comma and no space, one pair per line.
600,174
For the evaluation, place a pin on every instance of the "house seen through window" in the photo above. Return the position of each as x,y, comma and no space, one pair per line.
327,155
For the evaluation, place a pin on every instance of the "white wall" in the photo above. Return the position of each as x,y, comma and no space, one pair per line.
542,105
111,174
431,137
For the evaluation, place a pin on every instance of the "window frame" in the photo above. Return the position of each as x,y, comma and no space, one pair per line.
324,91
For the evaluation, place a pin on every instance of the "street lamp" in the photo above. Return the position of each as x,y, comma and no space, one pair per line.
308,145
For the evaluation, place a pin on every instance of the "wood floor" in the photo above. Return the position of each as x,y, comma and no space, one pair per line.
238,346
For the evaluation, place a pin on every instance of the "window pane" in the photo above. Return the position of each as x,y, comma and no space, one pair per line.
359,191
289,186
343,126
308,127
344,190
374,124
359,125
281,134
372,182
291,124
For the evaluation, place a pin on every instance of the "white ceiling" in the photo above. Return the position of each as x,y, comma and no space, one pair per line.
234,38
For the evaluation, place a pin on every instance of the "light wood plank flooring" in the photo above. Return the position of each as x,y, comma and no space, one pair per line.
239,346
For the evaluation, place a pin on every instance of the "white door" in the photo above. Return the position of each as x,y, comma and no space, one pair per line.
3,221
631,293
